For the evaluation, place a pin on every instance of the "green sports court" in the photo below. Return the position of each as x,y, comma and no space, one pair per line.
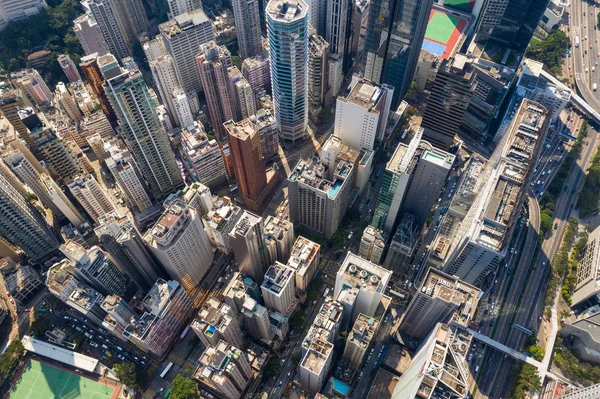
441,26
42,381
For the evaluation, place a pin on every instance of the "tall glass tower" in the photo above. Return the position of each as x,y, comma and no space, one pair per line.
287,28
395,33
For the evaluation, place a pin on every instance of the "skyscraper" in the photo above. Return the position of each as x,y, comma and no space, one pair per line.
91,196
90,35
135,107
230,377
243,96
69,68
278,288
167,81
248,242
179,242
248,162
178,7
107,19
318,74
339,14
183,36
21,225
213,62
395,33
64,99
287,27
32,82
510,22
57,156
10,102
247,26
91,70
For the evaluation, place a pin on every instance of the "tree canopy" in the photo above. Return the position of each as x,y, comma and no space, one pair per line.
184,388
550,51
127,374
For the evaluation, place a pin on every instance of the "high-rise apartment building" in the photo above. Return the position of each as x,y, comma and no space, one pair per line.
106,15
182,37
394,36
226,369
279,237
315,365
124,169
216,322
589,268
441,298
269,135
339,16
510,23
372,244
213,62
69,68
247,27
124,244
243,96
90,35
248,242
10,103
318,74
279,288
257,71
92,197
319,189
58,156
362,112
359,338
318,16
179,242
178,7
21,225
581,333
91,70
63,98
449,97
62,202
359,286
32,82
287,30
248,162
21,281
167,81
153,48
220,221
199,197
185,106
135,105
202,155
304,260
13,10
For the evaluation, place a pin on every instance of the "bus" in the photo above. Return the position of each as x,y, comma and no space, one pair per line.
166,370
185,331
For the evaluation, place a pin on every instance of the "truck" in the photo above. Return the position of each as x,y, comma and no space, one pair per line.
576,41
595,86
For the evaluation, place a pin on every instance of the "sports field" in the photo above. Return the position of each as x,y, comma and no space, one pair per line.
462,5
41,381
443,32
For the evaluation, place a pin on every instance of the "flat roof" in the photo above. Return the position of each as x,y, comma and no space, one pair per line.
60,354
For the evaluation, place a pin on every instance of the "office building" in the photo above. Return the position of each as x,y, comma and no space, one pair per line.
266,124
141,129
202,156
372,244
587,285
21,281
69,68
248,162
129,179
165,77
449,97
249,247
167,308
178,7
12,10
34,85
63,283
441,298
213,62
106,15
359,340
58,157
226,369
402,247
279,237
318,73
289,65
279,288
394,37
125,246
339,18
95,268
359,286
180,244
199,197
182,37
247,27
62,202
492,219
186,106
304,260
220,221
118,315
582,334
257,71
216,322
438,367
510,23
91,196
315,365
243,96
319,189
90,36
362,112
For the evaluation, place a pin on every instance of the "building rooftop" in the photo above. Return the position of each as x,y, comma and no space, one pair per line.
159,295
358,272
363,93
245,224
171,222
287,10
317,356
277,277
363,331
303,253
312,172
404,156
183,22
326,323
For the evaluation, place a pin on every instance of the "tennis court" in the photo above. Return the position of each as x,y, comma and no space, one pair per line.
443,32
42,381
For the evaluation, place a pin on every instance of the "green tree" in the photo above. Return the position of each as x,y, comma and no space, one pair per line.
550,50
598,18
237,61
412,92
272,368
537,352
545,222
127,374
184,388
39,326
325,115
